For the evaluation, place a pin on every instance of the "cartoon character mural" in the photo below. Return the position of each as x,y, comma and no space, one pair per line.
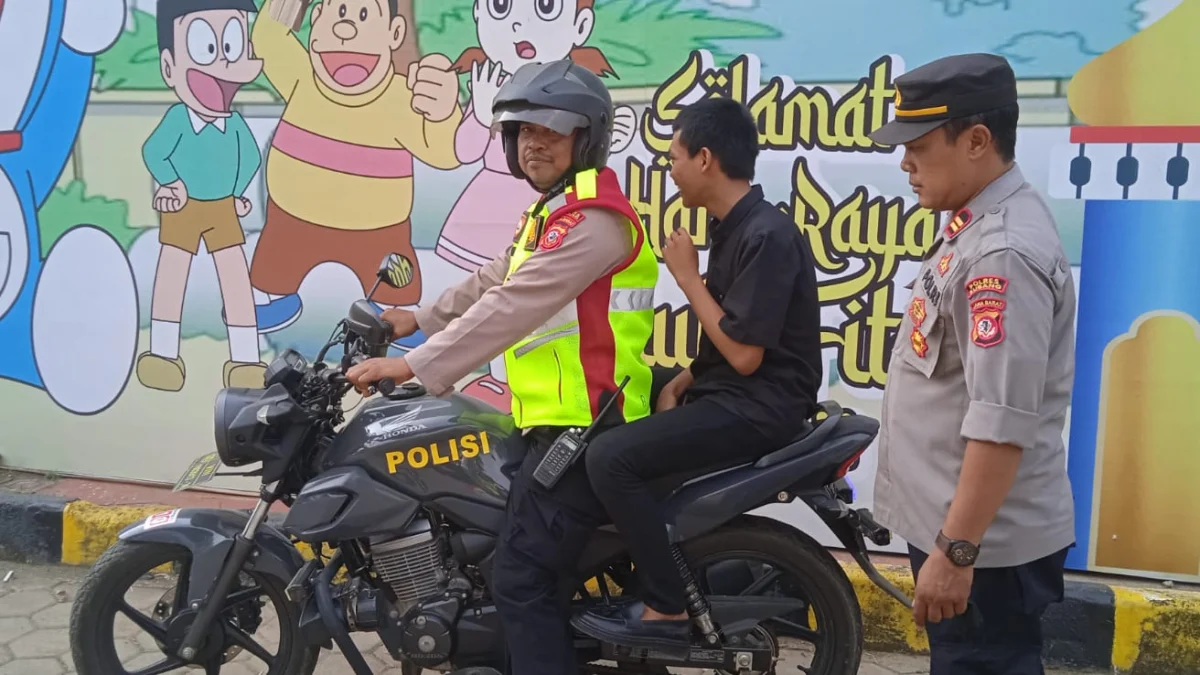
511,34
68,322
339,170
202,156
1137,384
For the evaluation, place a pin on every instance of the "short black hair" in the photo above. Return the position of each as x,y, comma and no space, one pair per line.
1002,122
167,11
726,128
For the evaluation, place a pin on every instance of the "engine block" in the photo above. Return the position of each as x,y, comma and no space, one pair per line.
412,564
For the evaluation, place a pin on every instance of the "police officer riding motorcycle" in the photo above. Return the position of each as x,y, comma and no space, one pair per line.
404,511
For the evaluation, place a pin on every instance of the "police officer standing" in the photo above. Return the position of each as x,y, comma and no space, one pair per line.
972,464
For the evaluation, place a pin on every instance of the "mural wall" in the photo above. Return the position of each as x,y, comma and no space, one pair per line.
190,186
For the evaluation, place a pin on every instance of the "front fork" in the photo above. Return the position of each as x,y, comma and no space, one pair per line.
849,526
243,548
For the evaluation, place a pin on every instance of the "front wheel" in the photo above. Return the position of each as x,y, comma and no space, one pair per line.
147,641
759,556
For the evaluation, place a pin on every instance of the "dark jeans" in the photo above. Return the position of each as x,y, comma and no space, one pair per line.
626,463
1008,639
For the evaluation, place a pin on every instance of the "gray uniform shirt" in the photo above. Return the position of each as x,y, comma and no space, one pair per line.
985,351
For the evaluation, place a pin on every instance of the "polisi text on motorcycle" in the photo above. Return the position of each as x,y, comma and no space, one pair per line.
419,457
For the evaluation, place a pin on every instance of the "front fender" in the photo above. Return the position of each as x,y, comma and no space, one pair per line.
208,534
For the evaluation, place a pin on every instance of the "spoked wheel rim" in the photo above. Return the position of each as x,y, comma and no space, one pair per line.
231,635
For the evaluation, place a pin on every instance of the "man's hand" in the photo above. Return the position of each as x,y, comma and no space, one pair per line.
404,322
683,261
669,396
371,371
242,206
434,86
171,197
942,589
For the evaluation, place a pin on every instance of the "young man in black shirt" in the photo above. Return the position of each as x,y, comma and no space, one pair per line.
754,381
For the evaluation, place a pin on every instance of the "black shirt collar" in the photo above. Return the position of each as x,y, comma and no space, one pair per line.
722,228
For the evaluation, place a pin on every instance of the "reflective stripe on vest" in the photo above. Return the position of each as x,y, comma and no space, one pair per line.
559,372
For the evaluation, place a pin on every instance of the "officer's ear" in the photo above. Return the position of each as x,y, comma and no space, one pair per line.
979,141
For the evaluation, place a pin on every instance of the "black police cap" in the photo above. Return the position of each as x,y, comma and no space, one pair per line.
948,88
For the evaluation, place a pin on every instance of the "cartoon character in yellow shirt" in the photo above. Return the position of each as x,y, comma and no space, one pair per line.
340,167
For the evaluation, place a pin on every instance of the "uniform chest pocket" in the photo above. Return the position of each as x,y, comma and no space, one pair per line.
923,328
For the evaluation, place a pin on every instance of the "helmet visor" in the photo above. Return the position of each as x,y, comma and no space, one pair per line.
559,121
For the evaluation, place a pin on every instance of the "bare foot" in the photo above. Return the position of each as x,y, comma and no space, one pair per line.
651,615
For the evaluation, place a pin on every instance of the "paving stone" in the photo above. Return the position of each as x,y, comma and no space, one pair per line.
58,616
32,667
14,627
40,643
26,602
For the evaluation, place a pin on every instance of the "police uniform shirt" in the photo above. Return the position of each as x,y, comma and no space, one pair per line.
985,351
761,272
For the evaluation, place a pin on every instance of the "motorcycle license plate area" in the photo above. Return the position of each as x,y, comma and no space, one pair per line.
201,471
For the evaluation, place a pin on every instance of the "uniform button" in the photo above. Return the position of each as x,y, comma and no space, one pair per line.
994,210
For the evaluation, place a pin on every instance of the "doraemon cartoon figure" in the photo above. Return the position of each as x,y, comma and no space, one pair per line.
69,320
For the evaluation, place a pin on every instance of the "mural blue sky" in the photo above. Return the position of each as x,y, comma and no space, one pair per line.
828,40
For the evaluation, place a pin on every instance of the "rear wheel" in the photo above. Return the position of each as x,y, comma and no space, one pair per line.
150,643
759,556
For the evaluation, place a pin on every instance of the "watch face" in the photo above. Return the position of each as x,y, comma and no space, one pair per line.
962,554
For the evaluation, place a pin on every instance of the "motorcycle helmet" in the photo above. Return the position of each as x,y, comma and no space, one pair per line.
561,96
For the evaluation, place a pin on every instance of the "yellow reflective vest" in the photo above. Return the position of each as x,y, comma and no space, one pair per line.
558,373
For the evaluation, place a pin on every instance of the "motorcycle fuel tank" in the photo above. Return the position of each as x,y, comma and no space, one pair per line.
429,448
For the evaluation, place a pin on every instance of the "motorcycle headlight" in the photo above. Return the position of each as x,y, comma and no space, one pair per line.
232,441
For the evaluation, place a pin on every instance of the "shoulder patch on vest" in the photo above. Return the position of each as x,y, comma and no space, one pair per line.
554,235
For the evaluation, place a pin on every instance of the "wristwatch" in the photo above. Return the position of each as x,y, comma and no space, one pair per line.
961,553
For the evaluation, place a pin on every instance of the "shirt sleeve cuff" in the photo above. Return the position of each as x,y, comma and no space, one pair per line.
424,370
994,423
734,331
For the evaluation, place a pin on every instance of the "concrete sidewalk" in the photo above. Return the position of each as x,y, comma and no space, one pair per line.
1117,625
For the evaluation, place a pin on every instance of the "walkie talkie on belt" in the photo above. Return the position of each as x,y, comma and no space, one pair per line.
569,447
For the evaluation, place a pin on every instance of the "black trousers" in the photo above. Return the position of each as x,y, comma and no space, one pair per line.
1007,640
534,570
627,464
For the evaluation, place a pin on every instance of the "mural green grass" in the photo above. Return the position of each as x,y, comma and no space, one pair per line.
627,31
70,205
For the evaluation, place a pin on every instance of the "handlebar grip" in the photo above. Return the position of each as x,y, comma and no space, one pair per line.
385,386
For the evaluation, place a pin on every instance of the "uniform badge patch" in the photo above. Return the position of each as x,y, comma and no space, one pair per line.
987,304
553,238
987,327
916,312
919,344
986,283
944,264
571,219
959,223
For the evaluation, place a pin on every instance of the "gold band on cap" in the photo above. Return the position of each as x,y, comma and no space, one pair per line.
934,110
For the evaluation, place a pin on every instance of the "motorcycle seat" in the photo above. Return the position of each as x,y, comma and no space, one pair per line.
815,439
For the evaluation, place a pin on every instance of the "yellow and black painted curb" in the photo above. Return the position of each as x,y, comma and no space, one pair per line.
1144,631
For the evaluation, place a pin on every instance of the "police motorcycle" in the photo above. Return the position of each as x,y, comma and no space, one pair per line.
400,508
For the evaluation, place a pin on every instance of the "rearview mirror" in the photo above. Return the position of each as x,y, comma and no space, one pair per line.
396,271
